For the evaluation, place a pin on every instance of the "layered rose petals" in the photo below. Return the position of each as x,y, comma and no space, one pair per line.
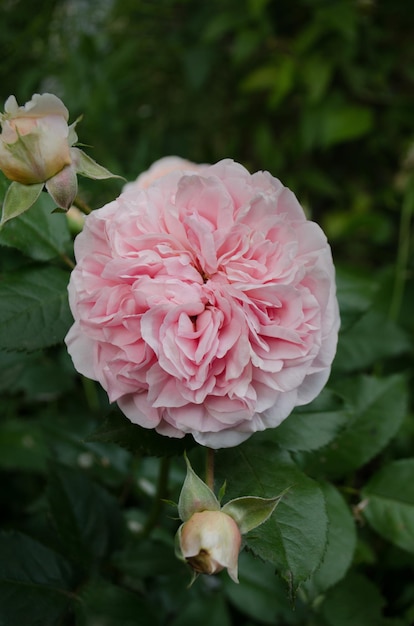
204,303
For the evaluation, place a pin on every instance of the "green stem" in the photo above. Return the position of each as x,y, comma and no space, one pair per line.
210,468
67,261
403,252
82,206
160,496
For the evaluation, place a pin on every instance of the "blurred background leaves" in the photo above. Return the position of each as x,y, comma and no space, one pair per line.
320,93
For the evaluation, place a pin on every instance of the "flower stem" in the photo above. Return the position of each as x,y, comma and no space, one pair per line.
210,468
160,496
82,206
67,261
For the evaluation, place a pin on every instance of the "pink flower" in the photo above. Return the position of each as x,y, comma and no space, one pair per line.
161,168
210,542
37,150
35,139
205,304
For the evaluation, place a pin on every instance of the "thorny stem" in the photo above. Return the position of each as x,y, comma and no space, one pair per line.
403,252
160,496
210,468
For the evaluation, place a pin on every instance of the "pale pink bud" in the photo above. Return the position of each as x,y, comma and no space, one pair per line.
210,542
34,142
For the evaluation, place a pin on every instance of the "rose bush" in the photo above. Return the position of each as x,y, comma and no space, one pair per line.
34,142
205,303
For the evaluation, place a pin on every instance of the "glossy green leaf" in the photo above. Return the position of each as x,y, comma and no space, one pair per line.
34,312
86,516
35,582
204,611
355,292
18,199
39,375
294,538
360,348
311,427
117,428
340,545
148,558
355,600
261,594
389,503
110,605
12,365
376,408
37,233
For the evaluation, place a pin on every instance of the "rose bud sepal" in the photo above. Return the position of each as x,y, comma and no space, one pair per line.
18,199
249,512
86,166
195,496
63,187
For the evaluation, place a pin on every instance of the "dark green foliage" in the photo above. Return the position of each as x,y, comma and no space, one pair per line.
118,428
35,312
35,582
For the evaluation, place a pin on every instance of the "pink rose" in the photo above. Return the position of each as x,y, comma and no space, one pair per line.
161,168
34,142
205,304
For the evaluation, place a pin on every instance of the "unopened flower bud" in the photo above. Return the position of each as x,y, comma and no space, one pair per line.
35,139
210,542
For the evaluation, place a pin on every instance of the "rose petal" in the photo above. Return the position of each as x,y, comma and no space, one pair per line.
208,301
